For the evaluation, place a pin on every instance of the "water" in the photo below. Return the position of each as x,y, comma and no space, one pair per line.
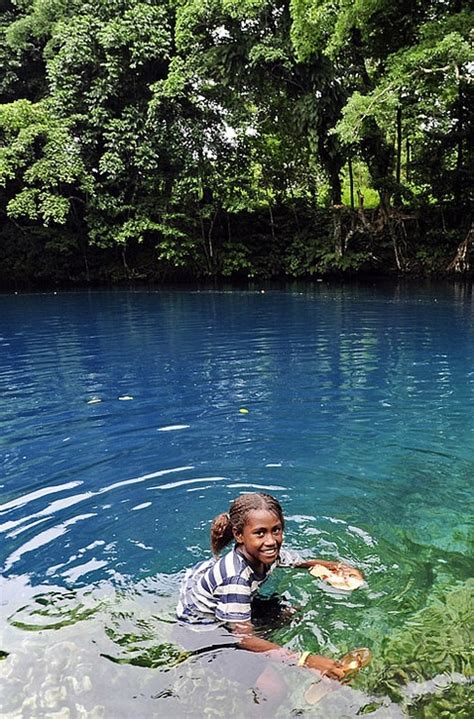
121,438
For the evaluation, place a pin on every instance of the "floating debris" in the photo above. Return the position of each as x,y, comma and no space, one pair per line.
125,397
243,410
173,427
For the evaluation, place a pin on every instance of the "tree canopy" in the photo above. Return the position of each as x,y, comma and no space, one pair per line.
216,137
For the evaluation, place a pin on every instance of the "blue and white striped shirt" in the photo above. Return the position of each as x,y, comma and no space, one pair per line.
222,589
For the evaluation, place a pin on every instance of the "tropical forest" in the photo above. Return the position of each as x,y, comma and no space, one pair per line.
163,140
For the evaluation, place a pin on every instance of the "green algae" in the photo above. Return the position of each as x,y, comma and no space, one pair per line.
53,610
426,665
164,656
140,642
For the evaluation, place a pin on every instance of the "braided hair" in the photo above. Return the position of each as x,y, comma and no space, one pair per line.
224,525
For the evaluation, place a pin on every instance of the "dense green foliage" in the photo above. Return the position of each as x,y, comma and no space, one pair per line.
215,137
426,667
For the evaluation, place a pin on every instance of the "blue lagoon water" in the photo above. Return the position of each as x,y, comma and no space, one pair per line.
121,438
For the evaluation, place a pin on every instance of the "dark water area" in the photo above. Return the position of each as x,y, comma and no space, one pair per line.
122,436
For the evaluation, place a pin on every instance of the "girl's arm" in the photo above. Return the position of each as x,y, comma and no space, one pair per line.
252,643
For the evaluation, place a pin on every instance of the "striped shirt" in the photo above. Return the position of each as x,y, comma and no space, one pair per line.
222,589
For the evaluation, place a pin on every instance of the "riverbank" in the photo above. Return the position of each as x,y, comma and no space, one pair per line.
288,244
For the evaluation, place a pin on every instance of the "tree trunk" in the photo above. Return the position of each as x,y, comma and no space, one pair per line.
336,206
209,240
124,261
458,189
351,182
360,211
408,160
392,230
337,232
461,262
398,169
204,242
86,262
272,223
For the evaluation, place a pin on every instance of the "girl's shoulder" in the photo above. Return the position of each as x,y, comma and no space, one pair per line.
230,566
220,569
232,562
197,570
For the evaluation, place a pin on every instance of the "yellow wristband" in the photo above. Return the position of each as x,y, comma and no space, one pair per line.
303,658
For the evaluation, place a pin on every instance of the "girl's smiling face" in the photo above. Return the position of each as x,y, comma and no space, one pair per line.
261,538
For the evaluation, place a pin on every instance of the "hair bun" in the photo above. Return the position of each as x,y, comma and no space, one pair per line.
221,532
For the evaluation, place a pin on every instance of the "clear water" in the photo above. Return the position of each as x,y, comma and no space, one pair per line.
360,405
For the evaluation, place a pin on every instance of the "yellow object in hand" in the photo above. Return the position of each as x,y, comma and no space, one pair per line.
303,657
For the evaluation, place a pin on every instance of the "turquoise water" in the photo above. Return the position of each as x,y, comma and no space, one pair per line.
121,438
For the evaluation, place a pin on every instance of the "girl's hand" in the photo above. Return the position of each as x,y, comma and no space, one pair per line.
349,665
325,666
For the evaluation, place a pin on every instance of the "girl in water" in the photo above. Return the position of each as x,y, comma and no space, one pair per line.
221,592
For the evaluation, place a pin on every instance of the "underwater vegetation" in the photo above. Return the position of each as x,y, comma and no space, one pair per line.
421,668
426,666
